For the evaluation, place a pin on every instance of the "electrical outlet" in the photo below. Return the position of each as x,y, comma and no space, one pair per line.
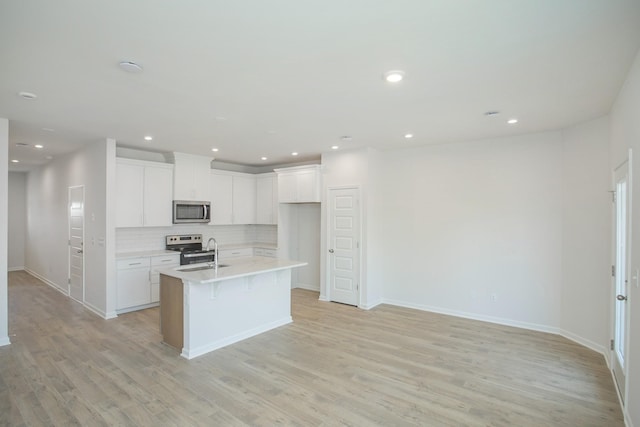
494,297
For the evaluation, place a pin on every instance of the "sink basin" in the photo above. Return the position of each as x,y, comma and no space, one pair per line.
203,267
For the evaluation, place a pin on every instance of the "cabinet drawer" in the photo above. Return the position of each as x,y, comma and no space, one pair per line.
165,260
234,253
124,264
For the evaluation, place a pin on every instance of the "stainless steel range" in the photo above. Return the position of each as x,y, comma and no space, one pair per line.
190,248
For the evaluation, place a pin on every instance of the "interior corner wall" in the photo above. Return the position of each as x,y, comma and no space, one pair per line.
4,197
46,254
17,220
474,229
586,233
625,135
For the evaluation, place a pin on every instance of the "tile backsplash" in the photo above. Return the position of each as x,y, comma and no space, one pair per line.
153,238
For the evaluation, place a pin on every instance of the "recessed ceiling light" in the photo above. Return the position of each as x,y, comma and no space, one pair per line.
27,95
512,121
21,144
221,118
49,157
346,138
148,138
263,158
215,150
394,76
491,113
15,161
39,146
408,135
130,67
334,147
48,129
295,153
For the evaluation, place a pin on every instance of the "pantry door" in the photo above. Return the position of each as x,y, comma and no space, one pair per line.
621,276
344,245
76,243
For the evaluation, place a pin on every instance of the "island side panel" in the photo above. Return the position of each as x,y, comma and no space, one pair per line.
171,311
222,313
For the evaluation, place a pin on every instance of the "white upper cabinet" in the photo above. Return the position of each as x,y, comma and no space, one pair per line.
144,195
299,184
266,199
233,198
158,197
221,198
129,194
244,199
191,177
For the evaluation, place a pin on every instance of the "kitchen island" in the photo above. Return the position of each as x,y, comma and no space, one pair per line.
203,309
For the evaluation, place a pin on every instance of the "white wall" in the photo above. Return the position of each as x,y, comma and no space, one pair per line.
586,233
358,168
17,219
4,173
464,222
625,134
47,221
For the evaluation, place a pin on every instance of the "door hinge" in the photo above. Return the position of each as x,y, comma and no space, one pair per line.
69,280
612,344
613,271
613,195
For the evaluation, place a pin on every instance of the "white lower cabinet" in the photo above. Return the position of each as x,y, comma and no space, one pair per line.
133,283
138,281
271,253
158,262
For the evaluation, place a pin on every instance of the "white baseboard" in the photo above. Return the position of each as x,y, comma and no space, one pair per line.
98,311
473,316
4,341
585,342
199,351
48,282
85,304
307,287
372,305
15,268
323,298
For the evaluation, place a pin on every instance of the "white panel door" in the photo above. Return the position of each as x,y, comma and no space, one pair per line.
621,312
158,197
344,246
76,243
221,199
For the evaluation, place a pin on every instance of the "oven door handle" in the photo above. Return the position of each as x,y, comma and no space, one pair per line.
199,254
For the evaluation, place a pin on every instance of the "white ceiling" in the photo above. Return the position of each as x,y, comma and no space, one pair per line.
265,78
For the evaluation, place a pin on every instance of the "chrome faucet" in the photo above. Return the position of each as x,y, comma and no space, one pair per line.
215,250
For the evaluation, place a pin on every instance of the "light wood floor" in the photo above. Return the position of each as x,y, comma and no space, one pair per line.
334,365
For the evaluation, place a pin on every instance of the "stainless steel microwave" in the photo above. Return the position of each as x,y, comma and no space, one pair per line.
186,211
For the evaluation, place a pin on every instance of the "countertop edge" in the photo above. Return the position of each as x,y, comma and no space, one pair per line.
202,277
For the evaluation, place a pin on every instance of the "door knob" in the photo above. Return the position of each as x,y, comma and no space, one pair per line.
79,251
621,298
330,251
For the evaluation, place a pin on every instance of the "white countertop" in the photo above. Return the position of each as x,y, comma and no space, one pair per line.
236,267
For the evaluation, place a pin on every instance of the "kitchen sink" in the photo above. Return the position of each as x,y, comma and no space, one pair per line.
203,267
